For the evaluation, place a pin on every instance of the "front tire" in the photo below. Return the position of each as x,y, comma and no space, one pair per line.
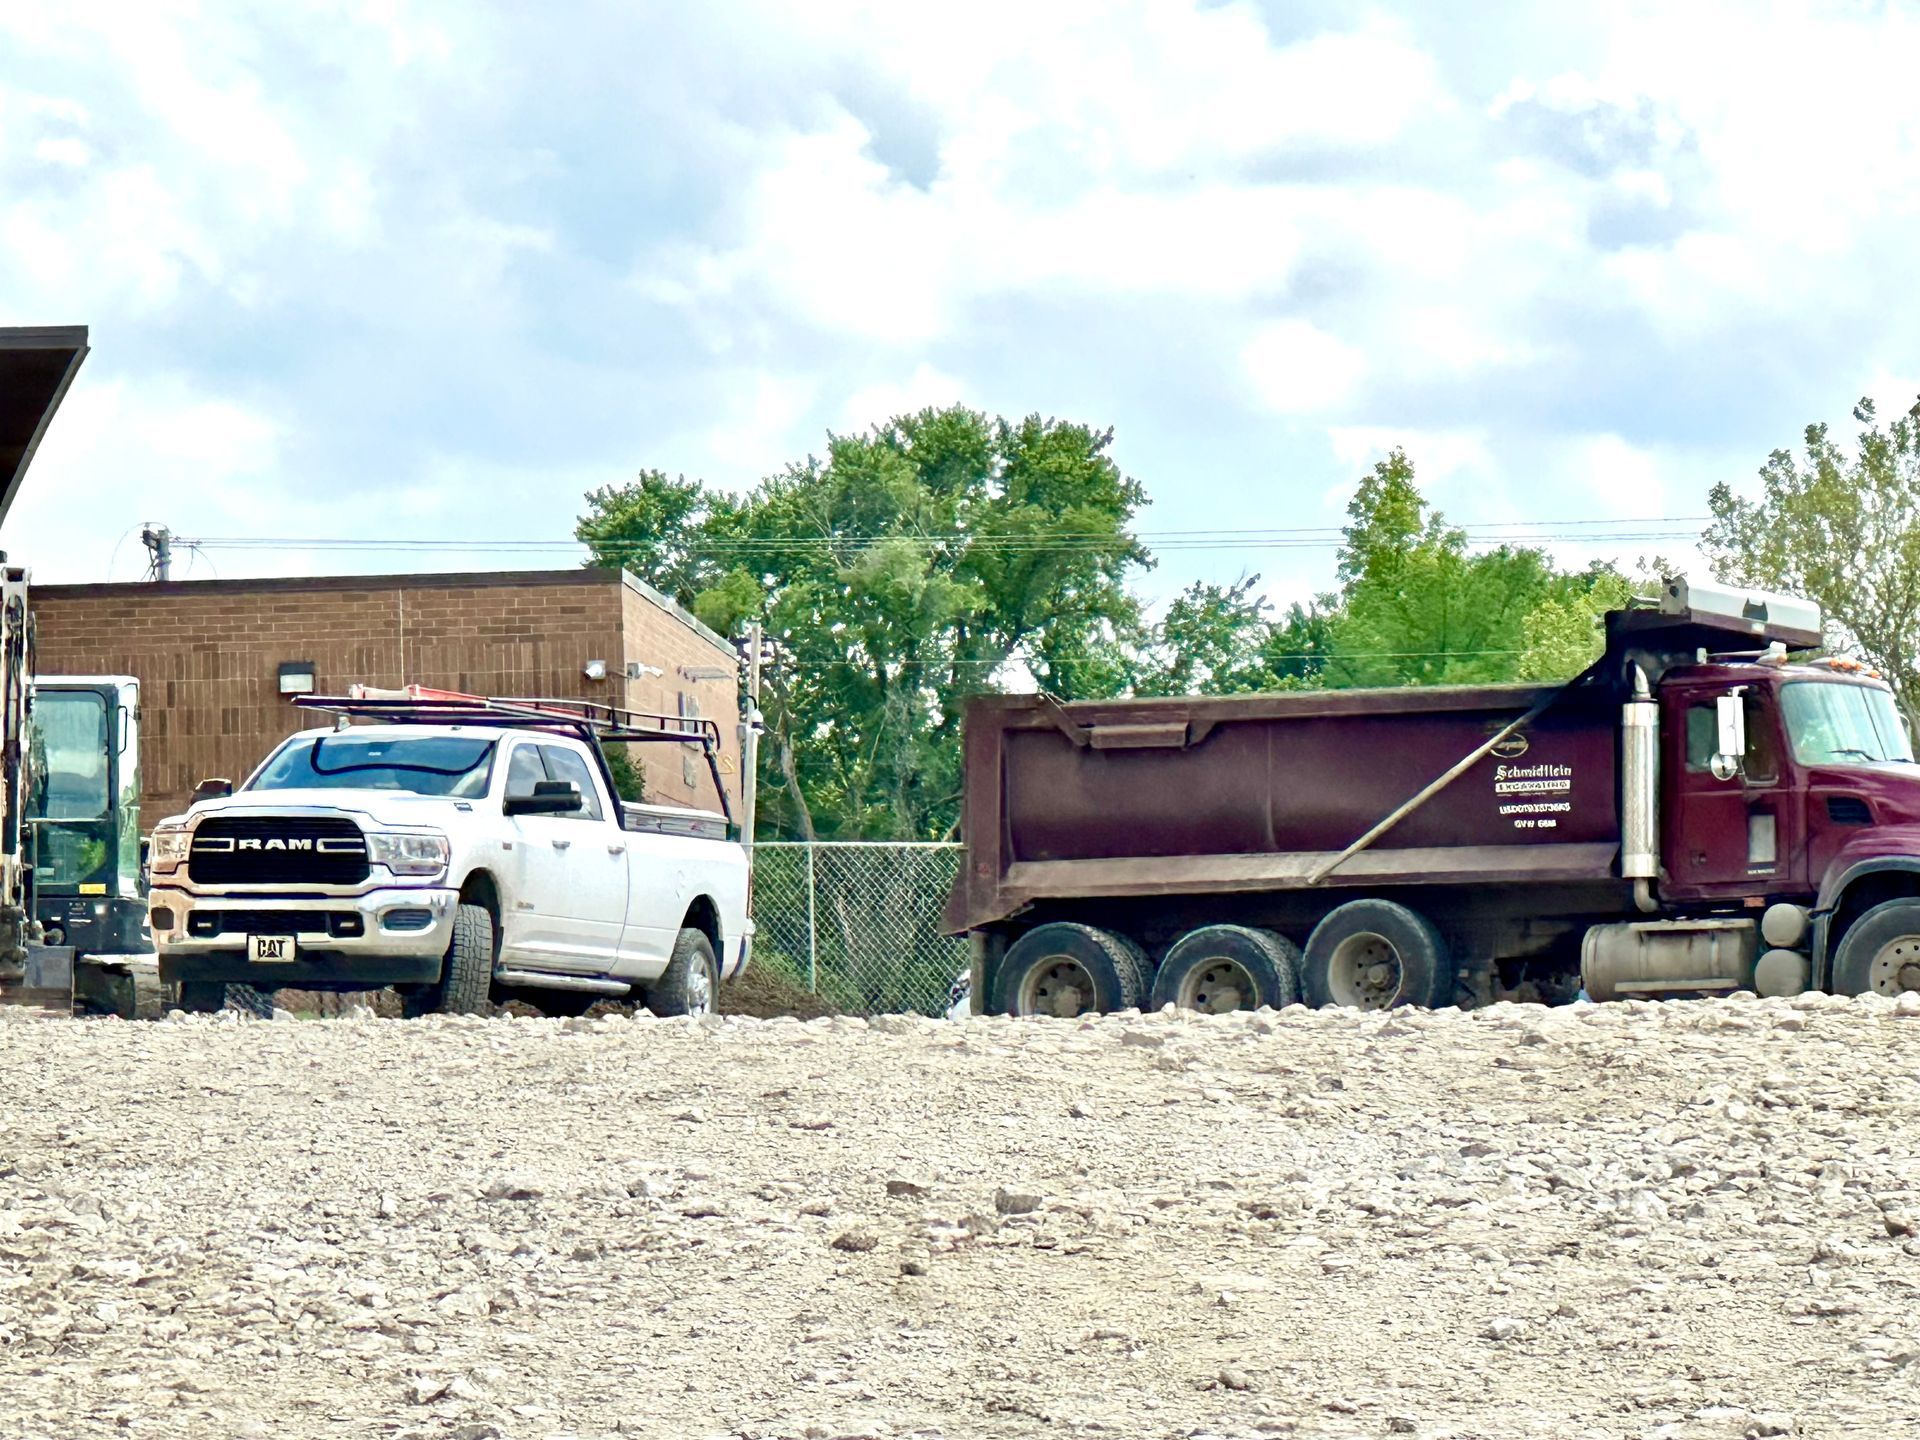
1376,954
690,985
466,975
1880,953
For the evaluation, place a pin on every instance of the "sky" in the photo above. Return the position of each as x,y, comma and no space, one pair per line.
424,273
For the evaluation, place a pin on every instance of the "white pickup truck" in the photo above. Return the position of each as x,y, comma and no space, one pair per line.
458,849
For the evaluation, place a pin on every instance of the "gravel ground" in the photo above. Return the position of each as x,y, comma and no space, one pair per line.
1689,1219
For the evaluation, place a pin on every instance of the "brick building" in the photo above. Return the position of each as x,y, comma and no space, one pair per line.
209,656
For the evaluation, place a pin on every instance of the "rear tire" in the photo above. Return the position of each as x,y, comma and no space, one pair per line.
1221,968
1376,954
1880,953
466,975
1065,970
202,997
690,985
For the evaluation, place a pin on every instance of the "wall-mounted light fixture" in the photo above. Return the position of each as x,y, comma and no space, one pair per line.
596,670
296,677
638,670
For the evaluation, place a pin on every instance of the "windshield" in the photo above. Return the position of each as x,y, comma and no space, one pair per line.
422,764
70,756
70,794
1833,723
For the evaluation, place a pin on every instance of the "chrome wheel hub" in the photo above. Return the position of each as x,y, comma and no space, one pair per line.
699,991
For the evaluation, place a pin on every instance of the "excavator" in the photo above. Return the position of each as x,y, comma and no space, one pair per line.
69,877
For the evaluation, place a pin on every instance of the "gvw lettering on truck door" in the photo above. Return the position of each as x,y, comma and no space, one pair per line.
1534,796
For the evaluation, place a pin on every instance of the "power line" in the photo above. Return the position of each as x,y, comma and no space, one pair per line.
1306,538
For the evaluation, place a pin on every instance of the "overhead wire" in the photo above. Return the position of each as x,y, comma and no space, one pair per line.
1613,531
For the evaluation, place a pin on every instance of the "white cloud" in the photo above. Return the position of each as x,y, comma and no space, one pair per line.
877,403
118,455
1297,369
359,250
1439,456
762,426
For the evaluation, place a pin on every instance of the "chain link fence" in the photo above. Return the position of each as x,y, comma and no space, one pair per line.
858,922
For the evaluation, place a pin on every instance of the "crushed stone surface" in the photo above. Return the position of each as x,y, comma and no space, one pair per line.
1696,1219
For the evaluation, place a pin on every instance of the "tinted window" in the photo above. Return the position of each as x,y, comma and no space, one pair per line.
1703,738
524,771
70,756
381,760
571,765
1703,729
1834,723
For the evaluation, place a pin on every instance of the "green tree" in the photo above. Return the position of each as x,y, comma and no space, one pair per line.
1297,650
909,567
1841,529
1417,607
1563,634
1211,641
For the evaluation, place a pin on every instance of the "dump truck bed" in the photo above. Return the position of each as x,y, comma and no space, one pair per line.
1264,792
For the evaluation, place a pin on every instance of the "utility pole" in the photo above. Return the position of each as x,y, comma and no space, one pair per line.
750,727
159,542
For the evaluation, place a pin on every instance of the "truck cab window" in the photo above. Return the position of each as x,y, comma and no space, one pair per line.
564,764
1763,749
524,771
1835,723
1702,730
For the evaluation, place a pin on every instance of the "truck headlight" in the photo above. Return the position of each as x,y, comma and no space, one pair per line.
409,854
168,847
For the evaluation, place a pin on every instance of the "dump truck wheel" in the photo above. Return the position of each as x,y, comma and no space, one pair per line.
1143,967
1880,953
202,997
690,985
1373,954
1065,970
466,975
1220,968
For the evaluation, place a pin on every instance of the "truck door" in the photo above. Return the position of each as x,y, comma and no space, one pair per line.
570,901
1724,838
591,856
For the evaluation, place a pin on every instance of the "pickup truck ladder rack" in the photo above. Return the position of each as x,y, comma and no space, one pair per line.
590,720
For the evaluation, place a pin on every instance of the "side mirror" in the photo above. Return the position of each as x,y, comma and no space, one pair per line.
549,797
212,790
1730,711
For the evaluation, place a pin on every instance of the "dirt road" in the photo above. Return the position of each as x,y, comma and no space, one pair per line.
1640,1220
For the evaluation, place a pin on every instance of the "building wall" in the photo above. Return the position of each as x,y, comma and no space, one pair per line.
208,652
700,676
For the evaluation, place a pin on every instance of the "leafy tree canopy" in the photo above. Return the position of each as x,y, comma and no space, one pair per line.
1839,528
908,568
948,552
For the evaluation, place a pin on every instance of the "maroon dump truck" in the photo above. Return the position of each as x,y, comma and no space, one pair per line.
1694,814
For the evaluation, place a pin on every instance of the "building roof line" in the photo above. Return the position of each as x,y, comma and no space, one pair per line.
679,612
